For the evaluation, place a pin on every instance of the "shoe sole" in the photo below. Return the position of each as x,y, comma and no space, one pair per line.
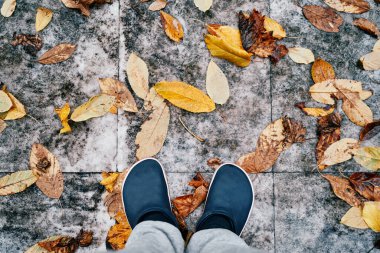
133,166
250,182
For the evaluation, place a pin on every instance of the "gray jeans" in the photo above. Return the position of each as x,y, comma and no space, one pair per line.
162,237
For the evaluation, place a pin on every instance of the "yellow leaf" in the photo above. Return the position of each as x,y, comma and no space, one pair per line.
138,75
371,215
109,180
172,26
301,55
353,218
369,157
322,71
5,102
97,106
43,18
63,114
185,96
17,110
153,133
225,42
272,25
217,84
315,111
339,151
57,54
119,233
203,5
16,182
8,8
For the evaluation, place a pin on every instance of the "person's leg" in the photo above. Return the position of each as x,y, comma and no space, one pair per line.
228,205
147,205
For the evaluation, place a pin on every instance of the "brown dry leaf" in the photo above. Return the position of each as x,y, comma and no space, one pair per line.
43,18
225,42
172,26
328,131
85,238
198,181
83,5
325,19
273,26
138,75
371,215
315,111
119,233
376,47
370,130
16,182
188,203
214,163
157,5
324,92
64,244
30,42
153,133
301,55
3,125
339,151
57,54
371,61
279,52
276,138
366,184
114,203
349,6
153,100
8,8
63,114
322,71
96,106
109,180
37,249
185,96
343,190
124,98
5,102
367,26
46,166
353,218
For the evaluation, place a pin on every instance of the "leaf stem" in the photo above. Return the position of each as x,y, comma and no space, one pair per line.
190,132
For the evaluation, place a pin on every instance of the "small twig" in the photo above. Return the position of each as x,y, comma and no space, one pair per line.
190,132
292,37
341,173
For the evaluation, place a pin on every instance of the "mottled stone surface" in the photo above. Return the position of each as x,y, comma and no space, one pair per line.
295,209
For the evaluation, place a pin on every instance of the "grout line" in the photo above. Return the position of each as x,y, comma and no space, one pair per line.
118,78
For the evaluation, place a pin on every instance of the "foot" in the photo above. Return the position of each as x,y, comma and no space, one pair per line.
145,194
229,200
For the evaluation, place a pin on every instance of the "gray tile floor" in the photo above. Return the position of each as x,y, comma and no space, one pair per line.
295,210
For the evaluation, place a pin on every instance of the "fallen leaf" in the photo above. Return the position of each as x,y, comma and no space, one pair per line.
5,102
83,5
46,166
353,218
138,75
279,52
214,163
315,111
349,6
65,244
157,5
370,130
203,5
367,185
301,55
273,26
181,222
276,138
38,249
30,42
371,215
355,109
325,19
225,42
153,133
328,132
119,233
343,190
43,18
63,114
368,157
339,151
188,203
85,238
376,47
321,71
57,54
97,106
17,110
217,84
185,96
172,26
371,61
198,181
324,92
109,180
153,100
16,182
117,89
3,125
8,8
113,202
367,26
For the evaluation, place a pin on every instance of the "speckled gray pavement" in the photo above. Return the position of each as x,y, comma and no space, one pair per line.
295,209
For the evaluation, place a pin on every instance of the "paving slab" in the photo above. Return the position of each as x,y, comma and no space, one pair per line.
92,144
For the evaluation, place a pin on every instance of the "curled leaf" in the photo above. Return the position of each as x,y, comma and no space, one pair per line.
325,19
138,75
97,106
367,26
185,96
273,26
301,55
172,26
57,54
60,244
371,215
217,84
353,218
16,182
63,114
349,6
339,151
314,111
369,157
343,190
43,18
109,180
367,185
119,233
322,71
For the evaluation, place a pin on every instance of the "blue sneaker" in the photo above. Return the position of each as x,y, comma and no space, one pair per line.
229,200
145,194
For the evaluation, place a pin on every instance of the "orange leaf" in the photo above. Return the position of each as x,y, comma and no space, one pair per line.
172,26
